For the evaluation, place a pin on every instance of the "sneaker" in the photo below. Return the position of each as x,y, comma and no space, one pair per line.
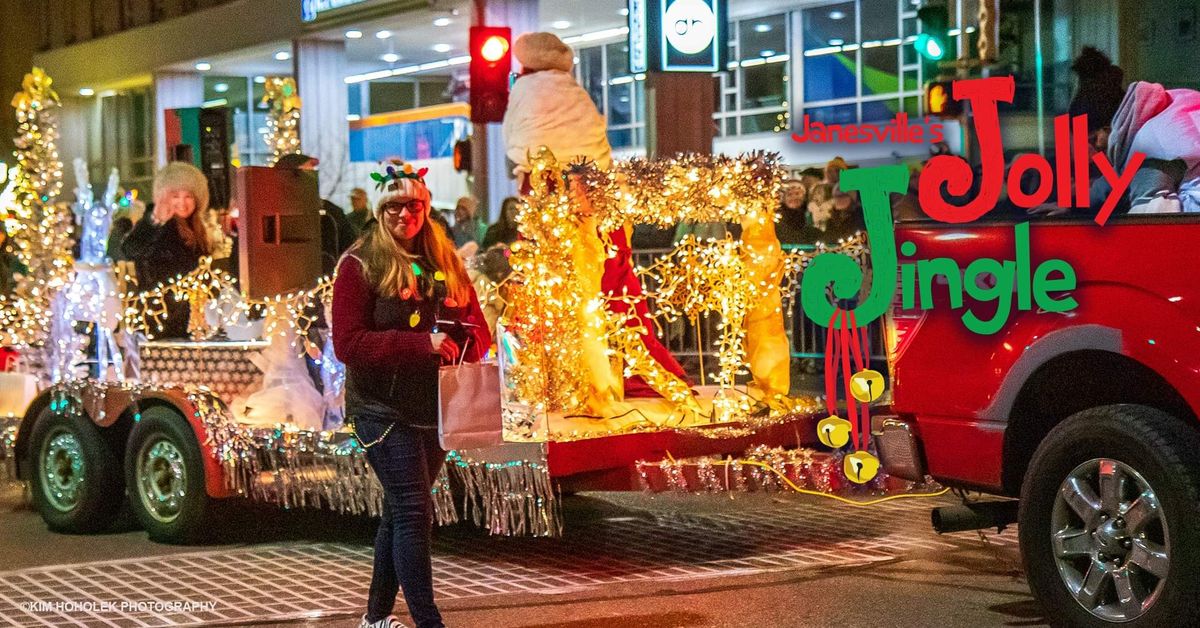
391,621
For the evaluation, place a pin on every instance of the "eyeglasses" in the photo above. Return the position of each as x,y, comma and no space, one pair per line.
397,207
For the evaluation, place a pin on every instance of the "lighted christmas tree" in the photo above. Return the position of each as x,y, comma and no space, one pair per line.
39,229
283,117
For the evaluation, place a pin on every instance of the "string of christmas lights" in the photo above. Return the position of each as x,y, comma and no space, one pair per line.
146,312
552,302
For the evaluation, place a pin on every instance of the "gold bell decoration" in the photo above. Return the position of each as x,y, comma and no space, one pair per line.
847,351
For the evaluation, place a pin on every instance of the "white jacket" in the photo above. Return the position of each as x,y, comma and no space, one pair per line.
548,108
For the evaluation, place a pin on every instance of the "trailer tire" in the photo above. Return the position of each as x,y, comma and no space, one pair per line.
75,474
1110,520
164,473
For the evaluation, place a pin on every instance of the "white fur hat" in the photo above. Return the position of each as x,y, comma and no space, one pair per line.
183,176
543,51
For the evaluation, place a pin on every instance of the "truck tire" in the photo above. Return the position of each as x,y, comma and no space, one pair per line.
75,474
164,473
1110,520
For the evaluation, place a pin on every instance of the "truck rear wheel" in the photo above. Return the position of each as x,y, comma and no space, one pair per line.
1110,520
164,471
76,476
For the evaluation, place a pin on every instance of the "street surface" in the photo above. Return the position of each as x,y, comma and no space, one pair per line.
626,560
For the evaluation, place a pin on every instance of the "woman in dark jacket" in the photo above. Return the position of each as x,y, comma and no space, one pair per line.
172,239
504,230
399,286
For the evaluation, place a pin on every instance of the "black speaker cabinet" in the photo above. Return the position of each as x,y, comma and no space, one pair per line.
279,230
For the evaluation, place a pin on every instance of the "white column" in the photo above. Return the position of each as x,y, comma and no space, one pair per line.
173,90
522,17
324,103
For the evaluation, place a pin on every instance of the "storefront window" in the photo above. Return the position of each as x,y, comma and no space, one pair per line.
388,96
857,66
604,72
126,141
753,92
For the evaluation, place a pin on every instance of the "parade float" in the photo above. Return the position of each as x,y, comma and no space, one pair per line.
102,411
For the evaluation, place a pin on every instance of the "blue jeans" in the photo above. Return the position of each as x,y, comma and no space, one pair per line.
407,461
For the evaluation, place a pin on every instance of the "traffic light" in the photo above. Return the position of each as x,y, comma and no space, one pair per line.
491,63
462,155
939,100
934,41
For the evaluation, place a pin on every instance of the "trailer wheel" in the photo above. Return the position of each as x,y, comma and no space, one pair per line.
164,473
1110,520
76,475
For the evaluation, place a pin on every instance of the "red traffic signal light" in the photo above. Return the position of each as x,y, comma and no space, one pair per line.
939,100
493,48
491,63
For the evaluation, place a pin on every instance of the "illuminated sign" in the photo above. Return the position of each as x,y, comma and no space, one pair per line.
677,35
638,52
312,9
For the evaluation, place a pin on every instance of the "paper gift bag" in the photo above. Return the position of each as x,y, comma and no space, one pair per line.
469,406
17,391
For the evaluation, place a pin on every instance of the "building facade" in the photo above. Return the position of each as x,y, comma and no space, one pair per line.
388,76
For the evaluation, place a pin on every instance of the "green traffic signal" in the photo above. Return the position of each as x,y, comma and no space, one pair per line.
930,47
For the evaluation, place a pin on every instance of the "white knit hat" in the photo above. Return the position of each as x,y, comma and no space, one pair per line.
543,51
400,181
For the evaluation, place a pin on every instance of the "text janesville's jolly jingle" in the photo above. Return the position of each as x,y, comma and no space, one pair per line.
1033,284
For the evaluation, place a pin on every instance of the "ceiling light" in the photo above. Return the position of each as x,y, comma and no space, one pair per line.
767,53
836,42
221,88
87,91
204,66
561,24
442,47
260,79
837,15
762,28
383,34
442,21
354,34
283,55
390,57
623,12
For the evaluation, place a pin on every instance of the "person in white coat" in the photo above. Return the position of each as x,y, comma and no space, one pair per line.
547,107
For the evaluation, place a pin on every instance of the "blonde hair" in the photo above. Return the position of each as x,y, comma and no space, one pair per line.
179,175
388,267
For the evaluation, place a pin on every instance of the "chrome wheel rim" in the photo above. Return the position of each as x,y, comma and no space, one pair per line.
161,479
62,470
1110,540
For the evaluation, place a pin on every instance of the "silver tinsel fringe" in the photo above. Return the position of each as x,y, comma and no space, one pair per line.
328,469
513,498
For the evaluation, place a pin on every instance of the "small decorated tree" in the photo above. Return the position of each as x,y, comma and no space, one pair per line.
283,117
40,229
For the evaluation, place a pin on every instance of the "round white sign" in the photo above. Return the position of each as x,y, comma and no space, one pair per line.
690,26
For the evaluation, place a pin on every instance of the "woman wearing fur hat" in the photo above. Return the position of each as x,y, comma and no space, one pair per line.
547,107
172,239
402,306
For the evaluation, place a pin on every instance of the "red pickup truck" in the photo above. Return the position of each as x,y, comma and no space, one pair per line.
1089,416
